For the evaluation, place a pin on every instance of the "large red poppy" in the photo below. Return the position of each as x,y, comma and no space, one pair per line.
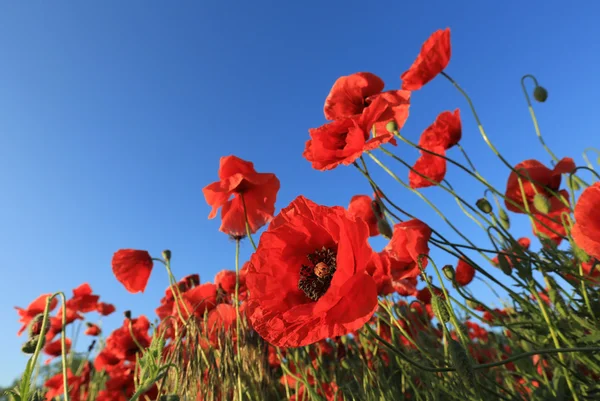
364,207
586,230
132,268
238,178
307,280
433,59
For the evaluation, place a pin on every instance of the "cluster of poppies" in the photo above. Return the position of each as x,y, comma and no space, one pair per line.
314,277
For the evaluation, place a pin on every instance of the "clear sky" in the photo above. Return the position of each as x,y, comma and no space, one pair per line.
114,115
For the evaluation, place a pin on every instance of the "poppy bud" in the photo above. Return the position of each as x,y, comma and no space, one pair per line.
472,304
580,254
35,327
31,344
127,314
439,309
540,94
484,205
504,220
171,397
449,272
504,264
391,127
166,254
461,362
541,203
574,184
384,228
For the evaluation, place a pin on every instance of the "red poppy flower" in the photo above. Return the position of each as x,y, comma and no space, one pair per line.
544,178
392,275
225,279
344,141
550,224
83,300
464,273
120,342
433,59
92,330
198,300
34,309
349,95
432,169
105,309
54,348
363,207
238,178
445,132
307,280
586,230
408,242
132,268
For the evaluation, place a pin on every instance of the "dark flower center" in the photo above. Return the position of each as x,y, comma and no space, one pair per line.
315,278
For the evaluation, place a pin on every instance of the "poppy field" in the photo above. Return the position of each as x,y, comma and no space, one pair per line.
320,313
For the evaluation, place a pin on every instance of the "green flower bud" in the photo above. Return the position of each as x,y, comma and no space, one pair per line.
391,127
127,314
580,254
574,184
540,94
462,363
166,254
541,203
31,344
384,228
504,220
439,309
35,327
484,205
504,264
449,272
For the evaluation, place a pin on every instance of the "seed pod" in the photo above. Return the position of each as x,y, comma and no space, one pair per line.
439,309
462,363
391,127
540,94
449,272
504,220
580,254
541,203
484,205
384,228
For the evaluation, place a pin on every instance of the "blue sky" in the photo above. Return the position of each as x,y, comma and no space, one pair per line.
114,116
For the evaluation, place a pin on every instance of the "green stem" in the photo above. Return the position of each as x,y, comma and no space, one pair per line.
248,233
237,316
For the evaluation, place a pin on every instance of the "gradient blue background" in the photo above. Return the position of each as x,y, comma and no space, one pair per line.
114,115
